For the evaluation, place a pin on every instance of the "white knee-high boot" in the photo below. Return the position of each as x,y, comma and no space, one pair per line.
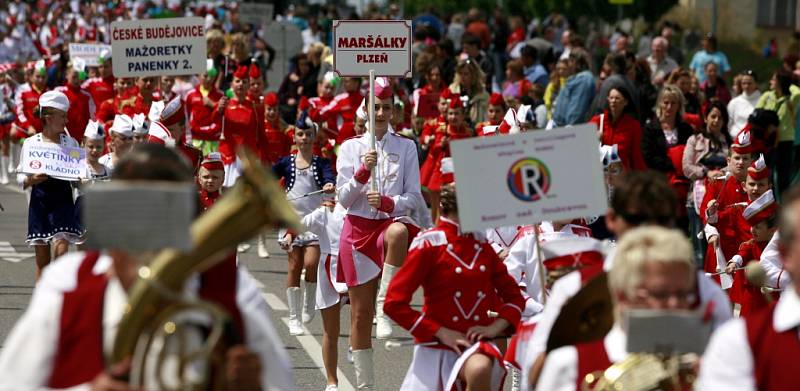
4,163
309,301
384,328
262,246
365,373
13,157
293,298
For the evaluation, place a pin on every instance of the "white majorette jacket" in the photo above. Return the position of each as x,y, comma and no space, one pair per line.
397,175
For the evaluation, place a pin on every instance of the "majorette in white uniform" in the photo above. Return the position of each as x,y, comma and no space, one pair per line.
327,225
28,356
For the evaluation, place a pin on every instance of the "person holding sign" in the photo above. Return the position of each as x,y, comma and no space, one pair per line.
454,346
51,209
376,234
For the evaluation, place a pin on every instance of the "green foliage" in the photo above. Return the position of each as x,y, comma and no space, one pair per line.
650,9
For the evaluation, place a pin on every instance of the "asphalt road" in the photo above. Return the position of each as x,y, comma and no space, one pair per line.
17,269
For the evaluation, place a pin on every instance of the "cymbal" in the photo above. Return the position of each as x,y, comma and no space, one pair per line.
587,316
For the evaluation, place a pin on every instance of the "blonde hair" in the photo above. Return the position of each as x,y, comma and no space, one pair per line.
672,91
478,77
646,244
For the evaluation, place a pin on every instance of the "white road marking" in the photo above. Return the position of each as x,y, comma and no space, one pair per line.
8,253
14,188
274,302
310,344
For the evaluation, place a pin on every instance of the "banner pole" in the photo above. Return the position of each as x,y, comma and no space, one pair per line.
372,139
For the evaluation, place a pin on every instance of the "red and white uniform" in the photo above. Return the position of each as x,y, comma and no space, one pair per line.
201,117
24,103
732,228
100,88
71,323
397,178
760,352
462,278
502,238
440,149
317,104
278,143
327,225
81,110
772,263
750,296
566,287
342,108
241,129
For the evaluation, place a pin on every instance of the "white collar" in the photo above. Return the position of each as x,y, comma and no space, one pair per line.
616,344
787,311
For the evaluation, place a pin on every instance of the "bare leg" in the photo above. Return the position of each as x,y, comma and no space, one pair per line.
362,306
395,243
535,371
60,248
310,260
42,258
477,372
330,338
433,196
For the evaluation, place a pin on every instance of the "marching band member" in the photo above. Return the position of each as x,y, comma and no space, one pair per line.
200,103
241,126
278,142
102,88
455,128
170,130
304,173
325,95
653,269
343,108
109,108
375,236
142,96
494,116
81,105
94,141
210,177
326,222
121,133
760,351
640,199
49,349
256,91
722,206
51,209
140,129
760,215
428,133
27,100
462,278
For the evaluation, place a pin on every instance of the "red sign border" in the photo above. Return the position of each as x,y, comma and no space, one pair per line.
405,23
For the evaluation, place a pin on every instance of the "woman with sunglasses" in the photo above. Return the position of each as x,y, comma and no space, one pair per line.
51,210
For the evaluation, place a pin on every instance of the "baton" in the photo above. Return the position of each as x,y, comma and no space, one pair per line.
306,195
723,272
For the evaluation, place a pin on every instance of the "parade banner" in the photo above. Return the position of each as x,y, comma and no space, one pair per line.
57,161
382,45
157,47
256,14
89,52
527,178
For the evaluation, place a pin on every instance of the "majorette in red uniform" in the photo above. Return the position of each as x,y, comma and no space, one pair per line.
494,116
210,178
101,88
722,207
624,131
141,97
170,130
109,108
343,108
26,103
760,214
255,93
462,279
278,143
430,126
330,81
81,104
239,124
200,104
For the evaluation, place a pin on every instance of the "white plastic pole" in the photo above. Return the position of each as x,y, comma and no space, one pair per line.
372,139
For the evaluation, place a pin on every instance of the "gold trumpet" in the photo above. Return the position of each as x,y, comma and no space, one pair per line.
156,305
645,372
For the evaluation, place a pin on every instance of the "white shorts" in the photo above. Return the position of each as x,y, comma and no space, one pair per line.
329,292
437,369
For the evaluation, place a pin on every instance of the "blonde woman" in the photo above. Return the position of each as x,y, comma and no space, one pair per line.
469,82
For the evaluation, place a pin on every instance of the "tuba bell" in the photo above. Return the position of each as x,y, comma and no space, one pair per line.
152,318
645,372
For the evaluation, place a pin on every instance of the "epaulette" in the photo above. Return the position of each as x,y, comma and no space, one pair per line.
430,238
